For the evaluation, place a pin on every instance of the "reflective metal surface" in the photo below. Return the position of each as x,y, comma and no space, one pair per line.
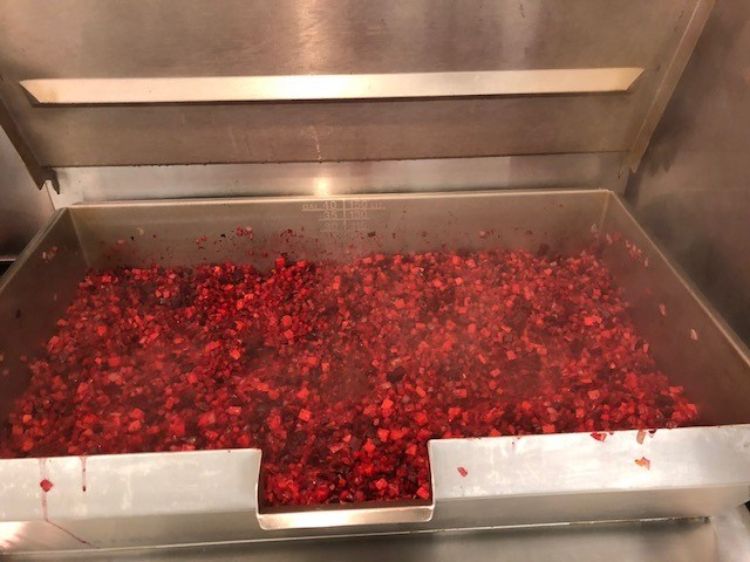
333,227
574,477
34,293
720,539
693,189
210,496
127,500
58,91
732,531
23,209
510,481
674,69
677,187
89,39
691,341
322,179
9,130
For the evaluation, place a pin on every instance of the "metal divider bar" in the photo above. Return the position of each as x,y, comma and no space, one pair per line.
329,87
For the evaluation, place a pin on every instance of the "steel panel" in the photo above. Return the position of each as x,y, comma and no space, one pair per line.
320,179
692,190
85,39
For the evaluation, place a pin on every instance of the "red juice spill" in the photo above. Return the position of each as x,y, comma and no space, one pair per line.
83,473
45,485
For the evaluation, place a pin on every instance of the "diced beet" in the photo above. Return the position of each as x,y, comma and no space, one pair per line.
423,492
342,372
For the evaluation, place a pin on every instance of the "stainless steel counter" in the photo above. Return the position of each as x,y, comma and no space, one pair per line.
725,538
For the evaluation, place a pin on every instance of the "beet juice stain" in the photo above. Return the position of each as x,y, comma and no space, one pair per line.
341,372
47,486
83,473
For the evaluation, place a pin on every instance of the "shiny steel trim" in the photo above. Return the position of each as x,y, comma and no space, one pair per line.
742,350
338,516
40,174
694,472
725,538
108,183
31,248
676,65
203,89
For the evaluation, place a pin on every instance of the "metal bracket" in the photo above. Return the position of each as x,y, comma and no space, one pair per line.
40,174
